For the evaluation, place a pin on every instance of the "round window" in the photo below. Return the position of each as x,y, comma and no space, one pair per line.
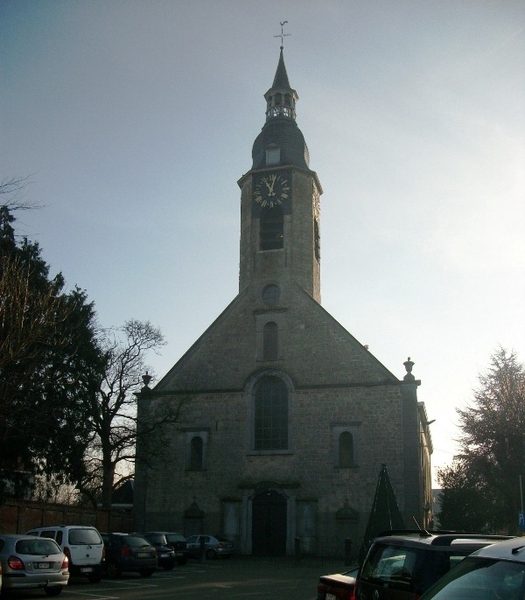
271,294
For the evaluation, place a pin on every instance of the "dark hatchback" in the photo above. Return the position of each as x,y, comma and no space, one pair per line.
177,541
165,553
127,552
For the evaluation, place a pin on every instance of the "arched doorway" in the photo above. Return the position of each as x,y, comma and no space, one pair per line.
269,524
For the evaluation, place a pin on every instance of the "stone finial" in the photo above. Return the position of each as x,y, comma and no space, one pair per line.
146,379
408,366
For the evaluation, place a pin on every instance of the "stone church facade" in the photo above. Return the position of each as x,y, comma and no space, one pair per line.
285,418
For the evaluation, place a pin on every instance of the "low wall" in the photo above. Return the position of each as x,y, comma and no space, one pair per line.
18,516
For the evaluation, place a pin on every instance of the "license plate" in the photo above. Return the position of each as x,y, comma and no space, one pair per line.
42,565
142,555
86,570
330,597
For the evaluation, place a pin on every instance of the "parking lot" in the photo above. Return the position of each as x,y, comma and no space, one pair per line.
238,577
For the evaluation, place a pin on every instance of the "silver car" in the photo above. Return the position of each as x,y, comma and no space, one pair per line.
214,546
29,562
494,572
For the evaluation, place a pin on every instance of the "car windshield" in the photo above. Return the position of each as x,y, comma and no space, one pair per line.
481,579
135,540
84,536
158,538
38,546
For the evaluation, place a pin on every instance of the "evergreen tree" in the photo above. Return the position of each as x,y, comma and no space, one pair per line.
492,456
50,364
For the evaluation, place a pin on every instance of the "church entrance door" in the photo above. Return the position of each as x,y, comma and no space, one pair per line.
269,524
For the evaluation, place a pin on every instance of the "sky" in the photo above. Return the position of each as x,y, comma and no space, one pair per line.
133,120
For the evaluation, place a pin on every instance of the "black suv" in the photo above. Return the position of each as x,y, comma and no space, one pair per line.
404,564
129,552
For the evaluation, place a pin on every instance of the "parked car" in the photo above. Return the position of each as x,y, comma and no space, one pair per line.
177,541
131,553
82,545
494,572
165,553
338,586
214,546
28,562
403,565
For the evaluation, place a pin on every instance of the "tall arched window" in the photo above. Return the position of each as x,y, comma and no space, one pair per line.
346,450
270,341
271,227
196,453
270,414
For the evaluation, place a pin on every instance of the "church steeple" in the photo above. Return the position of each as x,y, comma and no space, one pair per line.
280,208
280,130
281,97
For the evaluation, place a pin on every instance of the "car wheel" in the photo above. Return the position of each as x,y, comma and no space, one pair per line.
182,561
112,569
95,578
146,572
210,553
53,591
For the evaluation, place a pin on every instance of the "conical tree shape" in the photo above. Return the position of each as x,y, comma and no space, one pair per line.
385,513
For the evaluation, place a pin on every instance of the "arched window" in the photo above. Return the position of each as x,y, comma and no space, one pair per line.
270,341
270,414
346,450
271,228
196,453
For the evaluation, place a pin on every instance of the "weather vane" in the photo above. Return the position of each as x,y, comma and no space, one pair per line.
282,35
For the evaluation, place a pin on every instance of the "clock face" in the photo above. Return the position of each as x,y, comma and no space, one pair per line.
271,189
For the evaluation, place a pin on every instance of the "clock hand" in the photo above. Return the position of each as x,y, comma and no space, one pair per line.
270,188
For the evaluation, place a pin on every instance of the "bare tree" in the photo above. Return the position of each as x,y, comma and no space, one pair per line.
111,453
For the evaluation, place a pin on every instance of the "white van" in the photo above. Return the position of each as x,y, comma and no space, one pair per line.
82,545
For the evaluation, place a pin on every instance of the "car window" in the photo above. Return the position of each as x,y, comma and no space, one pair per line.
482,579
50,533
135,540
84,536
392,565
192,539
37,546
176,538
158,538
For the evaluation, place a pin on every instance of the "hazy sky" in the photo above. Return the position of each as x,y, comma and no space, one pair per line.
134,120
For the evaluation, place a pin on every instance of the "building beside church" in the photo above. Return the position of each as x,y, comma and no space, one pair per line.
286,419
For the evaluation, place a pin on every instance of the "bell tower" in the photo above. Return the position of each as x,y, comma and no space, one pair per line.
280,209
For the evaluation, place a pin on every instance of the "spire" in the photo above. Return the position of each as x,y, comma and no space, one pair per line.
280,81
281,97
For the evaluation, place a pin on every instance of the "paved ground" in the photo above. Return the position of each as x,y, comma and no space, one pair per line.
238,578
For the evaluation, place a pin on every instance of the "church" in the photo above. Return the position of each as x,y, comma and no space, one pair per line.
285,419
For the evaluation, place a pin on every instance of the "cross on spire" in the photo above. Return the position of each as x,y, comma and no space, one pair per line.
282,35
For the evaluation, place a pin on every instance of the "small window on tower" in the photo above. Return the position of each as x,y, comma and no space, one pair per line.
273,156
271,228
